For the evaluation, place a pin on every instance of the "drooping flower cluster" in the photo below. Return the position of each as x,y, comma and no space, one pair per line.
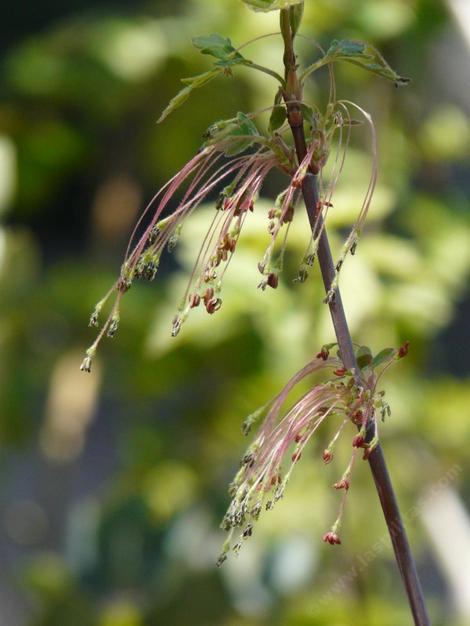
267,465
219,167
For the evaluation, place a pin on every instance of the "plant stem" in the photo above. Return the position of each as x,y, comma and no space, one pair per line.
377,462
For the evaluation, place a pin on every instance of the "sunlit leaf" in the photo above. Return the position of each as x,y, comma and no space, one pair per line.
271,5
219,47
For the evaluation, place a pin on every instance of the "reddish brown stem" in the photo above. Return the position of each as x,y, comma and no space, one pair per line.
401,547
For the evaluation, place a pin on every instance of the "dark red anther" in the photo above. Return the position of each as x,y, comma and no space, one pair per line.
194,300
296,456
209,294
273,280
358,441
341,371
327,456
289,215
331,538
358,417
213,305
323,354
403,350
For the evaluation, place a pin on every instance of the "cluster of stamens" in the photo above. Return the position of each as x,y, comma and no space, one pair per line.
266,467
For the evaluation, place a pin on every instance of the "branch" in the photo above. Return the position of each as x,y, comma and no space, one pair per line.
401,547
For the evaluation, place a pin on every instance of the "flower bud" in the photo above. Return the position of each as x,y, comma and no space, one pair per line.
113,326
248,531
342,484
86,365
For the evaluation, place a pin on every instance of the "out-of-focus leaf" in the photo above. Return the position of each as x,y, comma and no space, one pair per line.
278,117
295,17
363,356
271,5
192,83
384,356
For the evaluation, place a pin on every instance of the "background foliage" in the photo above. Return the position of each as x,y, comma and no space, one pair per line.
113,484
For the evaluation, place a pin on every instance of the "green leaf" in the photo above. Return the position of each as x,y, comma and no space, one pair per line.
278,117
364,55
192,83
384,356
228,131
271,5
295,17
363,357
221,48
308,114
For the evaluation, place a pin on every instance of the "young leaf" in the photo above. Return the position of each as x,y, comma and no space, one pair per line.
244,129
192,83
221,48
308,114
295,17
230,130
271,5
364,55
278,117
363,357
382,357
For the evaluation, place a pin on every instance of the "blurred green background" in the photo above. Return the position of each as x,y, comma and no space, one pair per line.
113,484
